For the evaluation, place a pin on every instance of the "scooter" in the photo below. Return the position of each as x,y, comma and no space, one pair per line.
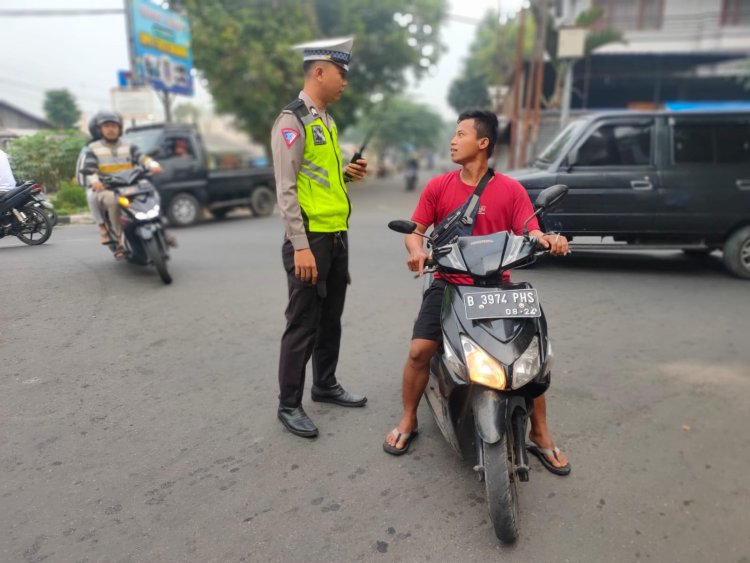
19,218
495,358
143,232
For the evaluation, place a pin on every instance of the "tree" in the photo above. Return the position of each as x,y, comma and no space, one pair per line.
61,109
48,157
399,123
243,49
489,62
187,113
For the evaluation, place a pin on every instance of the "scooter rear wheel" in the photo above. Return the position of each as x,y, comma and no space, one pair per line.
157,259
37,228
500,483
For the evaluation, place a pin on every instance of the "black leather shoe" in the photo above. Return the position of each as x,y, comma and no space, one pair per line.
297,422
338,396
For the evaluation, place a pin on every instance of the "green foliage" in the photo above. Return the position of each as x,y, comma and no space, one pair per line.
243,49
61,109
48,157
70,199
186,113
399,122
490,61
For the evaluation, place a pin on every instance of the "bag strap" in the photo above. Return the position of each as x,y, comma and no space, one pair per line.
472,205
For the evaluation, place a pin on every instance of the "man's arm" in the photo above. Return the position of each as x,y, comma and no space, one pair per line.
92,162
415,247
287,148
143,159
6,174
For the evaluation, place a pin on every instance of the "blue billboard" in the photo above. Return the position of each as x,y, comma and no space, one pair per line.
162,57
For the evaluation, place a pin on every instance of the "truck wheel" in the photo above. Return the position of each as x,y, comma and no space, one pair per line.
183,210
737,253
262,201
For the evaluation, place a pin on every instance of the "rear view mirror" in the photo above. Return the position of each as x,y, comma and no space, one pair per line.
401,226
550,197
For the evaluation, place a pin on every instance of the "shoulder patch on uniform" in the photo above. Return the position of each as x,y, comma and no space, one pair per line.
290,135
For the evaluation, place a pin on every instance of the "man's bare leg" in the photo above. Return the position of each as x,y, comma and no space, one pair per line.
416,376
540,433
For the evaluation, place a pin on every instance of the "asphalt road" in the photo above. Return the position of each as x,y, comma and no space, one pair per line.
137,421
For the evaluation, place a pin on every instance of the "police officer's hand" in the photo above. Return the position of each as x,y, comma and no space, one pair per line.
304,266
356,170
555,242
97,186
416,261
154,167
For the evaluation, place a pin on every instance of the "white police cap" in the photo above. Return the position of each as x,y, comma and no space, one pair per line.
336,50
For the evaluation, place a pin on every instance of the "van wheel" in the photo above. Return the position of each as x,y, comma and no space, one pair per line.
262,201
737,253
183,210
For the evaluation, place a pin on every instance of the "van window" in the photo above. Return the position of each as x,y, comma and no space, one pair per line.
711,143
617,145
732,143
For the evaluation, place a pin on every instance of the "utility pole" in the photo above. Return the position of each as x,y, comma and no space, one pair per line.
517,82
538,90
534,83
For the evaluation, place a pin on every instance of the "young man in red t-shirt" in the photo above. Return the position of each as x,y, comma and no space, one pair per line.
504,206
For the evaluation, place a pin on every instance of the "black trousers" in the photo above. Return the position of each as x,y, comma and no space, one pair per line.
313,317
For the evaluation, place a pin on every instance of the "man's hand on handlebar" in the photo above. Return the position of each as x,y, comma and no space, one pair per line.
416,261
97,186
554,242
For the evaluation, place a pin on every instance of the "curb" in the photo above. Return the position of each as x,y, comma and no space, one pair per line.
76,219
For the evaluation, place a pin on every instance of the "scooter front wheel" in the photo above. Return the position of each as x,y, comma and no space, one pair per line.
157,259
500,483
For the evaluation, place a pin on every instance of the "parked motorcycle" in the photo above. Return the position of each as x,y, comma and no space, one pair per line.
143,231
495,358
43,204
19,218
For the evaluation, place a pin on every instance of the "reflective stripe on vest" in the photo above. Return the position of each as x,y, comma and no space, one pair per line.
321,190
112,159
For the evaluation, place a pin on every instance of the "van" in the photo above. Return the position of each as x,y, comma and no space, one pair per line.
652,180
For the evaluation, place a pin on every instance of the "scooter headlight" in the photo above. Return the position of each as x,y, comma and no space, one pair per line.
483,368
527,366
146,215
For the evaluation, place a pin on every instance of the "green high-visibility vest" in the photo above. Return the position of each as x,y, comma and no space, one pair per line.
321,189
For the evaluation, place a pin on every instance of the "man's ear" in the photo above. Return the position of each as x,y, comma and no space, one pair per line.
484,143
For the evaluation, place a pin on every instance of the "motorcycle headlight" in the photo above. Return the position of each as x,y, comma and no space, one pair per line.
483,368
527,366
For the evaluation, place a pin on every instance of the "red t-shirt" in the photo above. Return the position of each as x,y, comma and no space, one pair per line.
504,205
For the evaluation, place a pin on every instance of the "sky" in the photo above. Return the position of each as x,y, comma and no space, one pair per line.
84,53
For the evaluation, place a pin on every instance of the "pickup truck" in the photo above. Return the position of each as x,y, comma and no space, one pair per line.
652,180
187,185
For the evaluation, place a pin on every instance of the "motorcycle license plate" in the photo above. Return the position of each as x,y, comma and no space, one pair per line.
502,304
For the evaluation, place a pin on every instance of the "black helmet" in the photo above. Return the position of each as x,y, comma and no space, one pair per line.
103,116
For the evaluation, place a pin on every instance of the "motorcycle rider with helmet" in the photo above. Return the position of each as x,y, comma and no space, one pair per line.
110,155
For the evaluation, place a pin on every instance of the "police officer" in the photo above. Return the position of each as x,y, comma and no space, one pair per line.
312,195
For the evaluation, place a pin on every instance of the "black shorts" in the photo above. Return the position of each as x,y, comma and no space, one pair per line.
427,326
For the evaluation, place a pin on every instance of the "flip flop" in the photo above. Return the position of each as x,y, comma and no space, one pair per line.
120,253
542,454
408,436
